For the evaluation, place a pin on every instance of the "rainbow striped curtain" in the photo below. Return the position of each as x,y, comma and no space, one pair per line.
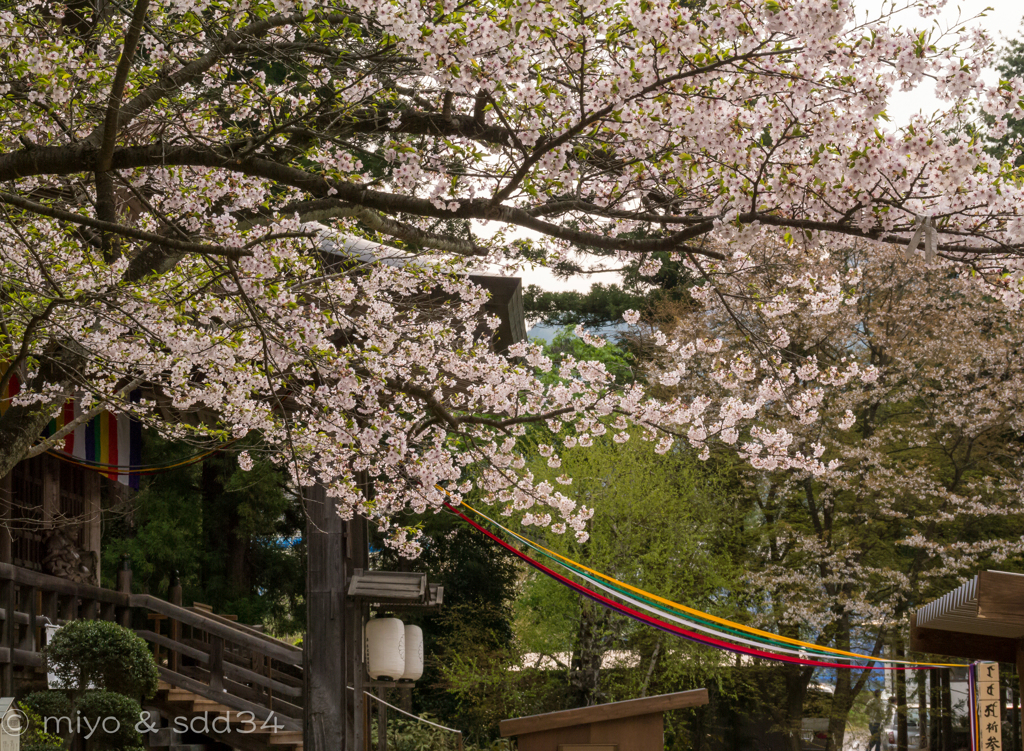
106,442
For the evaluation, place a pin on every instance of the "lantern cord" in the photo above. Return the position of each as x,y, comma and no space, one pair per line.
407,714
678,631
621,587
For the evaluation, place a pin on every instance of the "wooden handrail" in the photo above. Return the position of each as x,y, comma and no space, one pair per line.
225,698
230,669
245,629
275,649
28,578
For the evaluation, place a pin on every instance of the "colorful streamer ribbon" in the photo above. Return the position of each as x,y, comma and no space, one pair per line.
108,443
692,619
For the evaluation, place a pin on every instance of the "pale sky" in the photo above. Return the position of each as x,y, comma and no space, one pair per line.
1002,21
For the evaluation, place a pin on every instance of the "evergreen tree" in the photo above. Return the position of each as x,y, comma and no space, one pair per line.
231,536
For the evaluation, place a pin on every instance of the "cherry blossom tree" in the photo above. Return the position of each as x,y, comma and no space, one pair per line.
171,170
923,466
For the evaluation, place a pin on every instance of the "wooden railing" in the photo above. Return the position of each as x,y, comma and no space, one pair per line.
225,662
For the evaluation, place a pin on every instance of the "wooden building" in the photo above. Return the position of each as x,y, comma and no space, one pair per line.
50,518
981,620
634,725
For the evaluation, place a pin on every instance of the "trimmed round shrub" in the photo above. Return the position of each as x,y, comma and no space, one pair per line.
101,654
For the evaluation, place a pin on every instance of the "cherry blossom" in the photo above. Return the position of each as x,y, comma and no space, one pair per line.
173,173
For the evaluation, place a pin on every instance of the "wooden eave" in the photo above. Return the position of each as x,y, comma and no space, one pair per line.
982,619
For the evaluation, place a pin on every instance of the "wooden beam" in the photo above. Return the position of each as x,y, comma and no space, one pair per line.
604,712
27,658
958,644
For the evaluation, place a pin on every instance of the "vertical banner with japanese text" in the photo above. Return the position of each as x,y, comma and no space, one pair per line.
990,734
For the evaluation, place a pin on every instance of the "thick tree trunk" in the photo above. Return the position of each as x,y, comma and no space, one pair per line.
585,668
797,679
846,691
842,700
238,568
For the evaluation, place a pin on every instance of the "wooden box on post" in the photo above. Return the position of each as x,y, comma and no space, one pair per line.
634,725
10,725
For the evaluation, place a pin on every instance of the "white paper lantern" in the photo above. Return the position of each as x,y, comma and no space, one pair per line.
385,648
413,654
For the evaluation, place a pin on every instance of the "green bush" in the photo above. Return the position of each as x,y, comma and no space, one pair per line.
104,655
35,738
51,711
48,704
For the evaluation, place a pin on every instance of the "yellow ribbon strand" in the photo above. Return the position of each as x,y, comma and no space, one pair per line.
698,613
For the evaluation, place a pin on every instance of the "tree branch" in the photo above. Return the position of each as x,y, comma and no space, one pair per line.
119,229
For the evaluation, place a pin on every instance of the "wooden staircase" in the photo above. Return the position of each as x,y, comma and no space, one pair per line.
242,687
238,729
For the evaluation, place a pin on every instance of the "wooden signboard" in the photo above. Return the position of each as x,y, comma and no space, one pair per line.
990,733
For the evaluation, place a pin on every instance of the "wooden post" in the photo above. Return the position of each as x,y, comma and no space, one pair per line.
51,490
69,608
28,606
90,610
324,663
6,538
217,663
901,701
947,713
7,637
91,482
363,730
174,595
50,605
356,614
1020,685
124,585
382,719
